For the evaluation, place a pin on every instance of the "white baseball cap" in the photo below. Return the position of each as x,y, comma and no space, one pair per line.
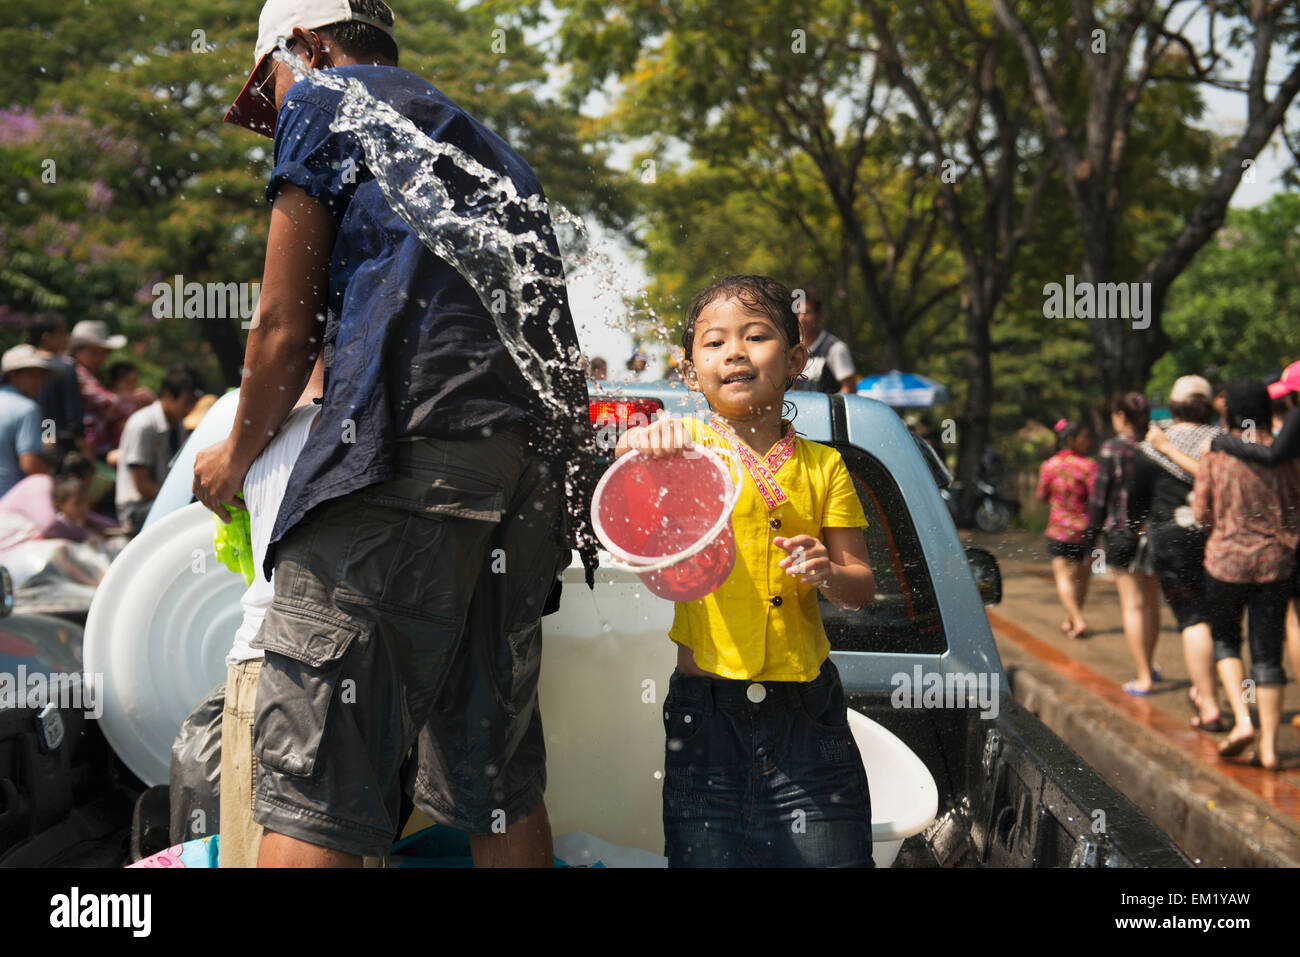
253,111
24,357
94,332
1188,387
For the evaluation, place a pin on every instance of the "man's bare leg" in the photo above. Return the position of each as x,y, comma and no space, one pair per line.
526,843
279,850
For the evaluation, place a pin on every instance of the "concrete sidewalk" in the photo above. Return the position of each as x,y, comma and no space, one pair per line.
1220,812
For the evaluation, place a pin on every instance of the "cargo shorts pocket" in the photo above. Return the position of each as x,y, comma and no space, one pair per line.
444,491
297,686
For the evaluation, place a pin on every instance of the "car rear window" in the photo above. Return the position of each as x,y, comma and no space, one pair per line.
904,617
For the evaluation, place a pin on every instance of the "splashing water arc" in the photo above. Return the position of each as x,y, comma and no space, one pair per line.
470,233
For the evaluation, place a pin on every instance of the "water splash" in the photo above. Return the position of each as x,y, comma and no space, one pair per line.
515,272
470,232
510,248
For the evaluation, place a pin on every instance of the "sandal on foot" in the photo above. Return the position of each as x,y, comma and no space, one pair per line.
1230,748
1253,761
1130,687
1217,726
1157,674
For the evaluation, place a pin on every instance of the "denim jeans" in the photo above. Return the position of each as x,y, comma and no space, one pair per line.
1265,603
773,783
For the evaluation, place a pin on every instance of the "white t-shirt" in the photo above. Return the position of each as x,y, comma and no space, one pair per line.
837,358
264,487
146,441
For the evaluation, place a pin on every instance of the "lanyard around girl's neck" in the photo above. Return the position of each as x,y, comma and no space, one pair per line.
761,470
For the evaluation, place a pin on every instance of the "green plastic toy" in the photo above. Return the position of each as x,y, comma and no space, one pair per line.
233,543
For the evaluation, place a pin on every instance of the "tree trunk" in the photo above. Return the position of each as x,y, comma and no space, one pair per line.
228,347
976,418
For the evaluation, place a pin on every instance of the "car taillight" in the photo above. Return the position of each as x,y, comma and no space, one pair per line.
612,417
625,413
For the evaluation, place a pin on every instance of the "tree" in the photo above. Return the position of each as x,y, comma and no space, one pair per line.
970,112
1127,52
787,99
1234,313
126,98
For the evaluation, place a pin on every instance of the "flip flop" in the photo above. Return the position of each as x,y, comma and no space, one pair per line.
1217,726
1253,761
1157,674
1231,748
1130,687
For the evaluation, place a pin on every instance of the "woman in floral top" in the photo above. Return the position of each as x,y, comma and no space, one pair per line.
1108,514
1065,481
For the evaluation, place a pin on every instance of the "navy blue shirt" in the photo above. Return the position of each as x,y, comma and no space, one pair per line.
410,350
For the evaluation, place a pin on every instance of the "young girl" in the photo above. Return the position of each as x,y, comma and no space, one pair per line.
761,767
1065,480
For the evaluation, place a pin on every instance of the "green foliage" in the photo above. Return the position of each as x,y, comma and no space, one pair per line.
769,147
126,99
1232,314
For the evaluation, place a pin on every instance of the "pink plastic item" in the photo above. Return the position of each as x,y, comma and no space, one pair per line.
669,520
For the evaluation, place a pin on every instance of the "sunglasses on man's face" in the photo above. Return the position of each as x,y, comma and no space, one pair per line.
266,86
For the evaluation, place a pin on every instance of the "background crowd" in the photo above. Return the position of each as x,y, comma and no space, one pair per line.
1206,512
84,448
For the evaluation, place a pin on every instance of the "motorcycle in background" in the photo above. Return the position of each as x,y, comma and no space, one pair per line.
985,508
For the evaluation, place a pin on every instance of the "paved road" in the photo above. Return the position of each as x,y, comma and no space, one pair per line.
1026,627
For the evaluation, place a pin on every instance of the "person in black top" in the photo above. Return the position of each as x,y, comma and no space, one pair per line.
830,366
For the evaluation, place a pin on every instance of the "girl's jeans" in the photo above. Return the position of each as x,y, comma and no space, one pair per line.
777,782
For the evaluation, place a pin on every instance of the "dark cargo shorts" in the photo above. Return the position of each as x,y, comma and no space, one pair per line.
407,614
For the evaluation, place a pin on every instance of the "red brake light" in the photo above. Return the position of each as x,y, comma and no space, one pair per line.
625,413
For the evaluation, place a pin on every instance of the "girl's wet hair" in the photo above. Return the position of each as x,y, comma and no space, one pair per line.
761,295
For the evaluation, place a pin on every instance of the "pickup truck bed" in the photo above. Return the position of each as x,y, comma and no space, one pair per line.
1010,793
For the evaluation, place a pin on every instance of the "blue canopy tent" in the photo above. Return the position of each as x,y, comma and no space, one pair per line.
903,390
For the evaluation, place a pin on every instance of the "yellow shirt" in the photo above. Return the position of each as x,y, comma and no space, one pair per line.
763,624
